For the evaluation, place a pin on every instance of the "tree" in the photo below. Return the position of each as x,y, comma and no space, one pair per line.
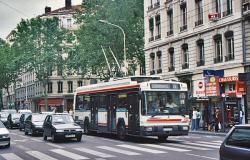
42,44
88,54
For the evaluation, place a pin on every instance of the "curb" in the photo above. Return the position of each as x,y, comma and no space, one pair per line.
208,133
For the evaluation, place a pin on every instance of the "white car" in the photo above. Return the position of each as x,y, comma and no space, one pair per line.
4,136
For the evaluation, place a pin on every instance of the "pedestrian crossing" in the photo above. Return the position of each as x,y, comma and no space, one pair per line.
114,151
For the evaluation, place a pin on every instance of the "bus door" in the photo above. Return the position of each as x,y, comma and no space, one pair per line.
133,115
112,112
94,112
103,113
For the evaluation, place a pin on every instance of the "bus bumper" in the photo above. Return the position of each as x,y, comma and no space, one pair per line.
164,130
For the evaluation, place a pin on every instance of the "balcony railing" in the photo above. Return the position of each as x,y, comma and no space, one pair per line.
201,62
199,22
151,39
185,66
171,68
218,59
226,13
183,28
159,70
150,7
157,4
229,57
158,37
170,32
152,72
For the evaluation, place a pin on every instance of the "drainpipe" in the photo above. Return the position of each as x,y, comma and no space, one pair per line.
243,35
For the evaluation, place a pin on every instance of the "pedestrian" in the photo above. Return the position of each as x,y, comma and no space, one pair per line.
241,116
194,119
198,118
217,120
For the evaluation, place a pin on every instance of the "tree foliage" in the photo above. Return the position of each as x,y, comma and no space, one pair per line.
88,54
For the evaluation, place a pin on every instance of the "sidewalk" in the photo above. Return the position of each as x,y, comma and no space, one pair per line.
223,134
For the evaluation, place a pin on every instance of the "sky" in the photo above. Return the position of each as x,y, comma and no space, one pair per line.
12,11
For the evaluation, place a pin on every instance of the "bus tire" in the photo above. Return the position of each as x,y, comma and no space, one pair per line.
162,138
121,131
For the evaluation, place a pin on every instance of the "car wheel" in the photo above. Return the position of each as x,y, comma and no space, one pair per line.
162,138
44,137
25,132
32,132
8,145
54,139
20,129
79,139
121,132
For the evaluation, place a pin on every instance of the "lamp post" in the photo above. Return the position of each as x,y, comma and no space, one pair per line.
124,44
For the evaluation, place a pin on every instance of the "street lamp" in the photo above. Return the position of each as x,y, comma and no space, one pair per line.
124,44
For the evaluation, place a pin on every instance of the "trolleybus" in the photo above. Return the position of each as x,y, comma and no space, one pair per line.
140,106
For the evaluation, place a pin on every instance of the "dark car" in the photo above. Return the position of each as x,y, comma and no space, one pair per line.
34,124
61,126
13,120
22,120
236,145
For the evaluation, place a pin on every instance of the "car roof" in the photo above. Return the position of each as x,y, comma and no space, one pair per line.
60,114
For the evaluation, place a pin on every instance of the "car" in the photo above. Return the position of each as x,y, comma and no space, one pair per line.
13,120
3,118
24,111
34,124
61,126
22,120
4,136
236,145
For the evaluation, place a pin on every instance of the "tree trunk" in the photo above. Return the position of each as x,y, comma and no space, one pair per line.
8,96
45,96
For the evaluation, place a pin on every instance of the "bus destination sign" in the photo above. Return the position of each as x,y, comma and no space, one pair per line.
165,86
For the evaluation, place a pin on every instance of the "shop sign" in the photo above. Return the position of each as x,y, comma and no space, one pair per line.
241,87
228,79
212,86
199,88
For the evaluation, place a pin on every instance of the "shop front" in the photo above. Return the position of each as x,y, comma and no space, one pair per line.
54,104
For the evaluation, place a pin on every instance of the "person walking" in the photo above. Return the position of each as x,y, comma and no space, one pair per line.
194,119
217,120
198,118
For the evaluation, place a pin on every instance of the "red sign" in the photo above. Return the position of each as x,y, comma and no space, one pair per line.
241,87
228,79
212,86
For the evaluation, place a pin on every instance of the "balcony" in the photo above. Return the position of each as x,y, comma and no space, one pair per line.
246,8
199,22
229,57
157,4
170,32
150,7
227,13
214,16
218,60
158,37
171,68
201,62
159,70
183,28
185,66
151,39
152,72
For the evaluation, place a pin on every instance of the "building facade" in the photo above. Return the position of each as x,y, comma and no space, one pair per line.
199,42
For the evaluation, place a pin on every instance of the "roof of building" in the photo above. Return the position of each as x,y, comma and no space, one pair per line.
64,10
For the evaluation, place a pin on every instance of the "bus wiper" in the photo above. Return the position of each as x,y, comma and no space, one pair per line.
156,114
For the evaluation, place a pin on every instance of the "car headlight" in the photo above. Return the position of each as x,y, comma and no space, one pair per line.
148,129
59,130
79,130
185,127
5,136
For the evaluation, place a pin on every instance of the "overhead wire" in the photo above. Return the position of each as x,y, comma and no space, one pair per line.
13,8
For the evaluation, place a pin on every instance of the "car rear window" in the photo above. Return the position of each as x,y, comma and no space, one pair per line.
240,137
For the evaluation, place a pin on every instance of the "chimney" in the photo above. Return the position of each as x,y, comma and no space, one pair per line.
47,9
67,4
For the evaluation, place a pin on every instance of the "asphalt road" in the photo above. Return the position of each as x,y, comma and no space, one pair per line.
104,147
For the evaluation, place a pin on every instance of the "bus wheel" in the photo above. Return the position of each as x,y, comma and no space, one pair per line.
162,138
121,132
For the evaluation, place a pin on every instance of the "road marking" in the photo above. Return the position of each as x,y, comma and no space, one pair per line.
201,156
54,145
141,149
23,136
39,155
218,141
68,154
10,156
166,148
129,153
189,147
37,140
96,153
13,133
110,140
202,145
23,147
211,143
20,140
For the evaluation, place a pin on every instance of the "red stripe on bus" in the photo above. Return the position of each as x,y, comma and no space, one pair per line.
164,120
110,89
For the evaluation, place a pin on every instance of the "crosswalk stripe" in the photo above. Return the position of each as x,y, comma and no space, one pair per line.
218,141
68,154
188,146
39,155
54,145
141,149
166,147
93,152
10,156
202,145
211,143
37,140
129,153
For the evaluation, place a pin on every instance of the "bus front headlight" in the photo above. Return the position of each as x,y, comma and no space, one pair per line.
148,129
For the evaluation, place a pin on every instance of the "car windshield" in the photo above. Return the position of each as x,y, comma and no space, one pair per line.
240,137
16,116
62,119
164,103
38,118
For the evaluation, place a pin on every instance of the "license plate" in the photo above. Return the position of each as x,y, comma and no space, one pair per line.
70,135
167,129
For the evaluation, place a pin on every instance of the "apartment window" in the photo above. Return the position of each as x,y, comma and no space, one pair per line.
69,23
200,51
151,29
50,86
171,59
185,56
199,12
152,63
79,83
60,87
227,7
229,35
159,60
70,86
170,22
218,48
183,7
218,6
158,26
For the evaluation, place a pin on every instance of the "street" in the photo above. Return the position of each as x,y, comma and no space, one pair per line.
192,147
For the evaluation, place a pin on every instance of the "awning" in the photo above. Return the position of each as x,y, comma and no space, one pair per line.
51,102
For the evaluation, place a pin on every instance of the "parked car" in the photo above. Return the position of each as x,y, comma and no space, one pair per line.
34,124
236,145
3,118
61,126
22,120
24,111
4,136
13,120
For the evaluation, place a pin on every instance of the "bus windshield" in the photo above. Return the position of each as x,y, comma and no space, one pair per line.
164,103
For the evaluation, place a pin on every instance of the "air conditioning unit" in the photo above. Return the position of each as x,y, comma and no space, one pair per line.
213,16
